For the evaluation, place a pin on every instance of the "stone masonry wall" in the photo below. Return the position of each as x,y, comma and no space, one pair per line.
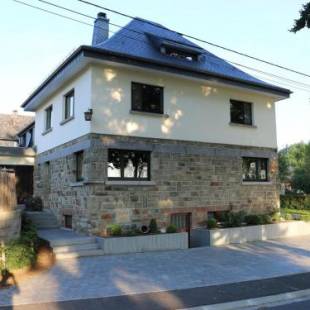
185,177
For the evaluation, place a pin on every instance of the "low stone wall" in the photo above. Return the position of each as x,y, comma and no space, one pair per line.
10,224
215,237
147,243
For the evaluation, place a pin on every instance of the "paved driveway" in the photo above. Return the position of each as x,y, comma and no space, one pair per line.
160,271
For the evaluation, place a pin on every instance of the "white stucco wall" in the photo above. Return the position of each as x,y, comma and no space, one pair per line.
75,127
197,111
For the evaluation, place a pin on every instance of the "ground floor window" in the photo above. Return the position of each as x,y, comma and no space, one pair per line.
79,158
255,169
128,165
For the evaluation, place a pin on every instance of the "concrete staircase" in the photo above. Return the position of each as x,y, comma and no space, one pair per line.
68,244
42,219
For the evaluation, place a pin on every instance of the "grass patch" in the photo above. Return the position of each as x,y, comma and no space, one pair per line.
295,211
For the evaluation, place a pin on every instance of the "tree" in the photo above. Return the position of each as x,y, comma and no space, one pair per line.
304,19
294,166
301,178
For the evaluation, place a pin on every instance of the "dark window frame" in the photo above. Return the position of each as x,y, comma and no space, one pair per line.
70,94
48,118
161,103
122,167
242,122
257,160
79,169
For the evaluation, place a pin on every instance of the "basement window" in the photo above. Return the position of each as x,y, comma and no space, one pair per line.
68,221
147,98
255,169
241,112
129,165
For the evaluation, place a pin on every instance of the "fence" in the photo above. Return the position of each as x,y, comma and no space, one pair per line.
7,190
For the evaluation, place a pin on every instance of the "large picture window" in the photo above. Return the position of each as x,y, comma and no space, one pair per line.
147,98
255,169
241,112
128,165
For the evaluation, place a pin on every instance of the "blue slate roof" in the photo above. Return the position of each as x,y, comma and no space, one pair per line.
137,39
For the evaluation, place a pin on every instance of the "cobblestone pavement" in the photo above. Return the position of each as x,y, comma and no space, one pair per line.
161,271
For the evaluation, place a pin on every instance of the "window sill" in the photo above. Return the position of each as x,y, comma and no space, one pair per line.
159,115
131,183
242,125
47,131
77,184
65,121
257,183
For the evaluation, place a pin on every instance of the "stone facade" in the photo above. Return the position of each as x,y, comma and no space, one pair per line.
186,177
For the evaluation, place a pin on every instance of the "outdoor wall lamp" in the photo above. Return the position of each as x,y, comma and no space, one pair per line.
88,115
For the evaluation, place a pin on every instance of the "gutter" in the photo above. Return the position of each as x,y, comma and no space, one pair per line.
99,53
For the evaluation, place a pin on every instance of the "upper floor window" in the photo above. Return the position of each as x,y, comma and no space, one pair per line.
79,159
69,105
241,112
128,165
181,54
147,98
48,118
255,169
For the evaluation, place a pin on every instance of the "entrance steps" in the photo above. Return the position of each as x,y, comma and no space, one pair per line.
68,244
42,219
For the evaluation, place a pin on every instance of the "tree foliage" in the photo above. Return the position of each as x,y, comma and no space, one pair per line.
294,166
303,20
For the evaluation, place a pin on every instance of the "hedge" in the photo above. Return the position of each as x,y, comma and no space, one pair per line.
294,201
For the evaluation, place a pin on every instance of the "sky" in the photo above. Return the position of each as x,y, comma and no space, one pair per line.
34,43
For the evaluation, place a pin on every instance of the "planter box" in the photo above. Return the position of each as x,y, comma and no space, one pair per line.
222,236
135,244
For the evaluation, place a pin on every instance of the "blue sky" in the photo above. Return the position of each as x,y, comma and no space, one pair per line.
33,43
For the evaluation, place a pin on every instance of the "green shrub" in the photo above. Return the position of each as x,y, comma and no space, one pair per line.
114,230
266,219
276,217
153,226
287,216
211,223
234,219
33,204
19,254
295,201
171,229
304,217
253,219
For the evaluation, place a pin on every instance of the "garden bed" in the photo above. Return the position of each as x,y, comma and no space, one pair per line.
222,236
144,243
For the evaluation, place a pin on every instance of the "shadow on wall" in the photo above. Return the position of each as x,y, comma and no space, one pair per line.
117,100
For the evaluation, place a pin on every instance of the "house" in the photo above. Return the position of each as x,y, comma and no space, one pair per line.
147,124
16,153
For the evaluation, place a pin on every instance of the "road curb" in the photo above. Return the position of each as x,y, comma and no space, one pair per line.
255,302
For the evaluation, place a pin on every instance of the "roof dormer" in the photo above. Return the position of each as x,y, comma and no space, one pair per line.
176,49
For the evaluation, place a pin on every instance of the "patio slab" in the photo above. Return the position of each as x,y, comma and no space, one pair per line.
96,277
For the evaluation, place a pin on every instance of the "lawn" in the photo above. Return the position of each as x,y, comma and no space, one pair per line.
303,215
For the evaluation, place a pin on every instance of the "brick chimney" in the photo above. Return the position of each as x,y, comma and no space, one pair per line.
101,29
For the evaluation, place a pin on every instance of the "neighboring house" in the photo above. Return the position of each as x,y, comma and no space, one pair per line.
16,153
147,124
